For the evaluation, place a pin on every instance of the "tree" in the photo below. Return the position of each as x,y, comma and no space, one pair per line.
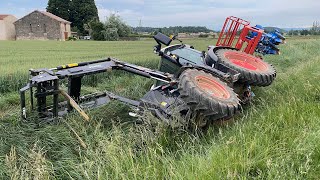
315,30
115,25
293,33
305,32
97,30
112,34
81,13
59,8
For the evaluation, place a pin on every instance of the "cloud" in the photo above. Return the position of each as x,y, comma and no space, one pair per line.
129,16
210,13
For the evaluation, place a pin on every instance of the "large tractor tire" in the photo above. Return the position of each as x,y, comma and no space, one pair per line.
253,70
208,97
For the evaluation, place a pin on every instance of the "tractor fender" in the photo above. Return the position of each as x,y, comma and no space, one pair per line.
211,59
227,77
216,48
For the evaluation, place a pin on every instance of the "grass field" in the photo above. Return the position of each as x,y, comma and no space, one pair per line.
275,138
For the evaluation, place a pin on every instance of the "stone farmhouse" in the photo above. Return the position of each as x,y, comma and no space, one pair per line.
7,29
41,25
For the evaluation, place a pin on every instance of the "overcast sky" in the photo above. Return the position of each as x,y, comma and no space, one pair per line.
210,13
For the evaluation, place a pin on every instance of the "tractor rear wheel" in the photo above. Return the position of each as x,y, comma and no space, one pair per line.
254,71
208,97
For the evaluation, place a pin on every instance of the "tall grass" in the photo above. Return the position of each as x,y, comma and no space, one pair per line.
275,138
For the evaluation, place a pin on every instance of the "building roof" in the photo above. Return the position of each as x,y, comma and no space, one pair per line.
2,16
54,17
49,15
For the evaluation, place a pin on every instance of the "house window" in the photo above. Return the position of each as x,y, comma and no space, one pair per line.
65,27
31,28
44,28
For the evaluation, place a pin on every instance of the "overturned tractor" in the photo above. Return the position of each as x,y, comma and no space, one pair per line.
194,84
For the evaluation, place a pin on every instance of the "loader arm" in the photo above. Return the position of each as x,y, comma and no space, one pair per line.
47,81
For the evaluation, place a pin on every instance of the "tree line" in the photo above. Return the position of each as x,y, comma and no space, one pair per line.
315,30
304,32
172,30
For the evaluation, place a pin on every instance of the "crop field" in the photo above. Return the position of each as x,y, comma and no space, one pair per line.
277,137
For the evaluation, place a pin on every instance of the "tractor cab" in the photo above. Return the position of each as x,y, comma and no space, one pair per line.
179,54
175,58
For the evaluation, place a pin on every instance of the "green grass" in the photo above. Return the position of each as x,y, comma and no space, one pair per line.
275,138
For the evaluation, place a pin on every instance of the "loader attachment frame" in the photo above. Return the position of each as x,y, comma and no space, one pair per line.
47,82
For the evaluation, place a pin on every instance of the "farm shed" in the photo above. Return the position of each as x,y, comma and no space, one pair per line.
41,25
7,30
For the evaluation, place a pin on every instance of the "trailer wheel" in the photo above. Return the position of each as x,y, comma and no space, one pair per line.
253,70
208,97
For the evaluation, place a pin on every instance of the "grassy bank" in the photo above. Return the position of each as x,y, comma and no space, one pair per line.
275,138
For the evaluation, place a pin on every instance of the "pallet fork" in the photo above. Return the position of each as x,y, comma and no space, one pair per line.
235,33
